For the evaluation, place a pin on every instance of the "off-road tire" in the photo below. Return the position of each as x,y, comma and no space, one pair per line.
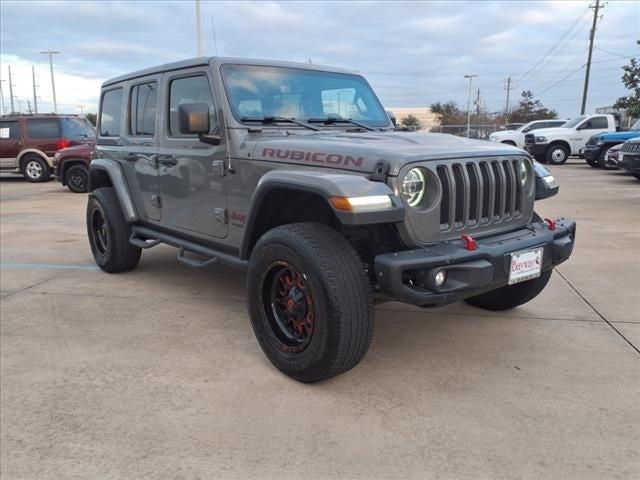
511,296
74,182
557,154
35,169
342,304
110,245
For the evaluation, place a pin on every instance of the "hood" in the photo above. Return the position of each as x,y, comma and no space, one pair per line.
76,149
618,136
361,152
552,131
503,133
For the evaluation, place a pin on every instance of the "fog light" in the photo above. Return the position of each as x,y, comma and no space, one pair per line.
440,278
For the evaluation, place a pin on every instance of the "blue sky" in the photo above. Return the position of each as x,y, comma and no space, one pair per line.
413,53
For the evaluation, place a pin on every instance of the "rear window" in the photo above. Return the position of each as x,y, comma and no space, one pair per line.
111,113
9,130
142,109
76,127
43,128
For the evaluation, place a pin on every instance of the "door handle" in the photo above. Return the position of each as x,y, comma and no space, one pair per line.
167,160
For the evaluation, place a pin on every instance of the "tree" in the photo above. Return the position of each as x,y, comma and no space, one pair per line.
631,80
449,113
411,122
530,109
92,117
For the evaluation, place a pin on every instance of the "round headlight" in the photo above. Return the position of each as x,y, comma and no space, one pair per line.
414,186
524,171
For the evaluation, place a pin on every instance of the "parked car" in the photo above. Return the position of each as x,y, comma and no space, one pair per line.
595,151
71,166
516,137
554,145
29,142
629,157
612,155
270,167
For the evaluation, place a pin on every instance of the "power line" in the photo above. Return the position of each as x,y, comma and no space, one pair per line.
561,49
555,45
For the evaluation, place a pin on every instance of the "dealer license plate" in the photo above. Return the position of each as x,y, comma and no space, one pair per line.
525,265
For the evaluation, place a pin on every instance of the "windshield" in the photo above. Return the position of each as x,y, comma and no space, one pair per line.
574,121
262,91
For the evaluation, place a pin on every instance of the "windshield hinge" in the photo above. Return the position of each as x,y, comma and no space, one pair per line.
380,172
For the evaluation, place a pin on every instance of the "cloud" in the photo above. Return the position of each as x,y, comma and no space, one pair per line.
413,53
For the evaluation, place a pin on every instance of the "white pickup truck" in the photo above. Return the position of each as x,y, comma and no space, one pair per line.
516,137
554,145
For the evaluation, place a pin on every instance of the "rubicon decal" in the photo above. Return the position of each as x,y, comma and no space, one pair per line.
313,157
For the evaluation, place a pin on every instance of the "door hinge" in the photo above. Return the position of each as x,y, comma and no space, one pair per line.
218,168
155,201
220,214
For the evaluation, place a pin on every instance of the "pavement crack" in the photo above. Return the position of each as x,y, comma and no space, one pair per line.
597,311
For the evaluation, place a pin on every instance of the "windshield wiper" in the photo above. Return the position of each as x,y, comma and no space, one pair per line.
334,120
271,119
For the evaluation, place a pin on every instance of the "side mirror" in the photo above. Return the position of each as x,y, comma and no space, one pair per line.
193,118
392,117
546,185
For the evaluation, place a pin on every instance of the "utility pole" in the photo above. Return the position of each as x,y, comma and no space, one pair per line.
215,42
506,107
1,99
51,53
478,105
81,107
591,37
29,106
11,91
198,35
35,97
470,77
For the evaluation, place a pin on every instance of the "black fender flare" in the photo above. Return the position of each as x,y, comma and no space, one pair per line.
104,166
324,185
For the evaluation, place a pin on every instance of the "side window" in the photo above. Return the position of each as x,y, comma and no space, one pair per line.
194,89
43,128
110,114
76,127
536,126
142,109
9,130
599,122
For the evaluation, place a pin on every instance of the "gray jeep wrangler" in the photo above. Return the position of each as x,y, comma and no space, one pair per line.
294,173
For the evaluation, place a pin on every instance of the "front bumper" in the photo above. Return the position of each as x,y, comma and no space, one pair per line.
591,152
629,162
406,275
536,150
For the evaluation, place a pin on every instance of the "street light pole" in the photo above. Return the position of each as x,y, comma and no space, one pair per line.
470,77
198,35
51,53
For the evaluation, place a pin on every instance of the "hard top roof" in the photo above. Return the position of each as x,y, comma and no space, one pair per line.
201,61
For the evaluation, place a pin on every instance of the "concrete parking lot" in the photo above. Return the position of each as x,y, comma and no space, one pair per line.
156,373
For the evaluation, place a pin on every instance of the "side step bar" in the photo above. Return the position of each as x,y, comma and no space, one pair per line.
144,237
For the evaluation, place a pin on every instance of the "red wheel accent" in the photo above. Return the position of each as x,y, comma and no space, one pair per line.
288,305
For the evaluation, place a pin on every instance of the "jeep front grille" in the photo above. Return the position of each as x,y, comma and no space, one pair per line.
482,192
631,147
